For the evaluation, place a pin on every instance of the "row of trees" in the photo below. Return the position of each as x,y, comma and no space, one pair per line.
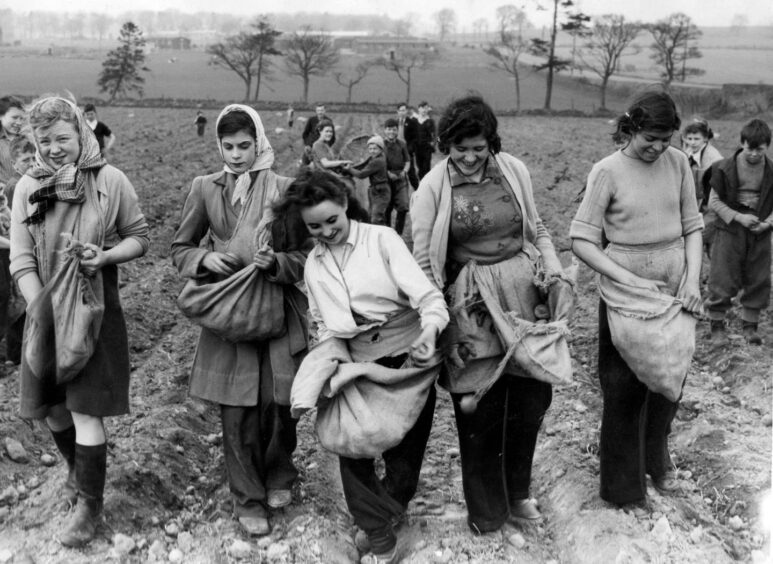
253,54
604,40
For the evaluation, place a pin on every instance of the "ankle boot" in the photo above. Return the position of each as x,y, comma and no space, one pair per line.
90,468
65,442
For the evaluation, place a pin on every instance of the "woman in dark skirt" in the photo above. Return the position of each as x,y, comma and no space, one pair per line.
71,189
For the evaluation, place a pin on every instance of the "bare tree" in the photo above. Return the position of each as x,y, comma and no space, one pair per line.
610,37
547,48
506,54
403,63
445,20
265,36
352,77
237,53
477,29
671,49
309,53
510,18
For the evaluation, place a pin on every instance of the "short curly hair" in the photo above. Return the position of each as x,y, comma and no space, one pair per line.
468,117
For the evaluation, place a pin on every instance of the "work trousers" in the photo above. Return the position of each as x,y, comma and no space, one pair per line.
740,260
258,442
497,443
378,504
635,426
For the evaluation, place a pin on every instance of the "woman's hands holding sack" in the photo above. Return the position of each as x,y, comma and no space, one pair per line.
690,295
92,259
423,348
221,263
265,258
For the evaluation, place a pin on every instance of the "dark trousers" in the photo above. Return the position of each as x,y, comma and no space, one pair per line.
258,442
412,177
634,426
740,260
377,504
423,161
497,443
14,337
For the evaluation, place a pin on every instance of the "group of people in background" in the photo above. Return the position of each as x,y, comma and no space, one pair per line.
316,266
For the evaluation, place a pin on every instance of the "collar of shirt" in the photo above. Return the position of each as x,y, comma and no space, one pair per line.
354,231
92,124
490,171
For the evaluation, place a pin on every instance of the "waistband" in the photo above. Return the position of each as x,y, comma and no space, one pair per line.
648,247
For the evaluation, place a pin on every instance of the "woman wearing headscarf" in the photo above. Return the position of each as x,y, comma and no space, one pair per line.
71,189
250,379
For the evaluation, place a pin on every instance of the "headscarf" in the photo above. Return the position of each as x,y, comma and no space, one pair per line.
67,183
264,154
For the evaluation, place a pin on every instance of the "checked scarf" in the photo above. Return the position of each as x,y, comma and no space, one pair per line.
65,184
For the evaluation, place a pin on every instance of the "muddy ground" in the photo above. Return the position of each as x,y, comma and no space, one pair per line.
166,496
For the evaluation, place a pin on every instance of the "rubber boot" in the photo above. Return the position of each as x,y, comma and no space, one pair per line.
90,468
400,222
65,442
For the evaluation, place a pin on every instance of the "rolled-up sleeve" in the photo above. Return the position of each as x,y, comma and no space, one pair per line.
409,278
588,222
23,259
194,223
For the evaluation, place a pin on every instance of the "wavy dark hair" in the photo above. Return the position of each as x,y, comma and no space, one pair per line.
234,122
650,110
312,187
468,117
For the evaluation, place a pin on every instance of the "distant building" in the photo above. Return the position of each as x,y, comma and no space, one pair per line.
175,42
388,46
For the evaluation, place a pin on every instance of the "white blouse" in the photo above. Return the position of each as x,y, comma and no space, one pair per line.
377,279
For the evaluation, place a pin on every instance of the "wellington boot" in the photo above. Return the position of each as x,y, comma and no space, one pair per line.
90,469
65,442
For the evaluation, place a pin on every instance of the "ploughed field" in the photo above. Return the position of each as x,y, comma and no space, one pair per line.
166,495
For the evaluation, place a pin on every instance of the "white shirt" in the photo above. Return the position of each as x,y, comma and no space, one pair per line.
378,278
92,124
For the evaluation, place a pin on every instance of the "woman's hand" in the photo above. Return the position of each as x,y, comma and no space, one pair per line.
748,220
92,259
423,348
690,295
265,258
220,263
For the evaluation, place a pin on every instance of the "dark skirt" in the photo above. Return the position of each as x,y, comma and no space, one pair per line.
102,387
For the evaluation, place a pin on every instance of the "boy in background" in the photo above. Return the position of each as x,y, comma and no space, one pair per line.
201,124
104,135
374,168
398,163
742,197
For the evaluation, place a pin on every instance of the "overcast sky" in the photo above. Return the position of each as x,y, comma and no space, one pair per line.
703,12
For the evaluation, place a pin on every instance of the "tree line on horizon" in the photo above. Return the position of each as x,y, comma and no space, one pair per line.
598,45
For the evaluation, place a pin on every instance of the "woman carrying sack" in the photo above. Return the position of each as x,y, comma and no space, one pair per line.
72,190
642,198
249,373
367,294
477,235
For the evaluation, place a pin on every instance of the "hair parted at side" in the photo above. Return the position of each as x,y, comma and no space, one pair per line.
699,126
651,110
468,117
314,186
45,112
235,121
8,102
756,133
